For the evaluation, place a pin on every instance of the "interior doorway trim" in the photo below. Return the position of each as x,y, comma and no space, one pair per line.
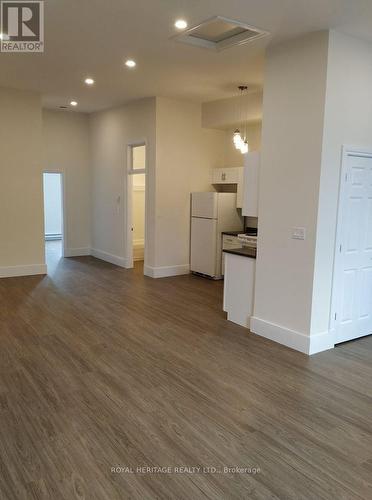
129,201
63,196
347,151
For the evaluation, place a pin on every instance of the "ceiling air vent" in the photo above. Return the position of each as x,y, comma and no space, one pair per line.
219,33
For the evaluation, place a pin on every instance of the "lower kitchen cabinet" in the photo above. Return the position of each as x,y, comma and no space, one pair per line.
240,271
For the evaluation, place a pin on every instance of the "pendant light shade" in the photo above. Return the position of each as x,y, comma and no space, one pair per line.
244,148
241,142
238,141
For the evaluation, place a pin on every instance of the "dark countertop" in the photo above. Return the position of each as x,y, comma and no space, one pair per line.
233,233
243,252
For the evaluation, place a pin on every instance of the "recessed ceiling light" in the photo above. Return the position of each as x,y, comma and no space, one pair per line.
89,81
73,103
130,63
180,24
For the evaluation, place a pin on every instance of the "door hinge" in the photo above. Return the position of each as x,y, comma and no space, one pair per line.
346,177
335,316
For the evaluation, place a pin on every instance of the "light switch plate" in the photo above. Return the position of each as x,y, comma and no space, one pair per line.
298,233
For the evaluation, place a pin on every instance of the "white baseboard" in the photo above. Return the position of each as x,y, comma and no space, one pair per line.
166,271
308,344
321,342
140,243
29,270
108,257
240,318
77,252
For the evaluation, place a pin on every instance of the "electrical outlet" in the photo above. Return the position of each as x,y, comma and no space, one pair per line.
298,233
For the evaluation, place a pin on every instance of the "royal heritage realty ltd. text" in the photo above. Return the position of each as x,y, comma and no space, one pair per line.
145,469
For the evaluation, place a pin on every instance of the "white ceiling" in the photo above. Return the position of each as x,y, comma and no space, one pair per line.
95,37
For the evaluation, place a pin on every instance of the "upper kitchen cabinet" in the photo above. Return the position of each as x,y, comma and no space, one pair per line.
230,180
250,190
225,175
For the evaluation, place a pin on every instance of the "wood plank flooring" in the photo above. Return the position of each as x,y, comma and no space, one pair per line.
103,368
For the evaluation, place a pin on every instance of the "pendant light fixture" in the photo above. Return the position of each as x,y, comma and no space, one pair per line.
244,148
240,138
237,138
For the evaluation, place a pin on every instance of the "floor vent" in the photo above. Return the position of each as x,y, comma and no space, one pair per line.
219,33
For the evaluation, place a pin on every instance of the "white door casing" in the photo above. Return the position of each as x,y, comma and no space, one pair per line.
352,285
63,208
128,196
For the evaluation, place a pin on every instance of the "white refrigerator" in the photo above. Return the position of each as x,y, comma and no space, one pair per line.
211,215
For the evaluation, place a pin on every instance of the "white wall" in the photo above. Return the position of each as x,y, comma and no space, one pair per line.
180,156
185,155
225,113
293,112
66,145
111,133
317,98
21,199
348,120
52,205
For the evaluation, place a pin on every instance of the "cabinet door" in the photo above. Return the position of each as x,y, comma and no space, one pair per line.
232,175
219,176
240,189
229,242
238,296
251,173
225,175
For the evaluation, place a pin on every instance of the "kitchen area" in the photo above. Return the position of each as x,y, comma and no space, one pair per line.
224,230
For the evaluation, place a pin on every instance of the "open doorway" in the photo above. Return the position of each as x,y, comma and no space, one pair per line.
53,217
136,204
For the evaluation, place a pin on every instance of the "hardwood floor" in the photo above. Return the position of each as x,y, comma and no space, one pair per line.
101,367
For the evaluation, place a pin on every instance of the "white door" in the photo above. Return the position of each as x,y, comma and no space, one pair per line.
353,283
203,246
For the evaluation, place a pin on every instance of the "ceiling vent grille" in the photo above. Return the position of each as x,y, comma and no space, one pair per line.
219,33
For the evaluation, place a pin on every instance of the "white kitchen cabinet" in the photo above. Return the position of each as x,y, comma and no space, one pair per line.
225,175
229,241
240,189
250,190
230,176
239,285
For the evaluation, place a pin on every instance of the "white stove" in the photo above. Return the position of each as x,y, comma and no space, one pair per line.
248,240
